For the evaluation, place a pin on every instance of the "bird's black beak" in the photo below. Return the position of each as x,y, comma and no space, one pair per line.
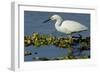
46,20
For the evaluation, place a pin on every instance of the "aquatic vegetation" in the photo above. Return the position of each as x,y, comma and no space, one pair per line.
38,40
27,40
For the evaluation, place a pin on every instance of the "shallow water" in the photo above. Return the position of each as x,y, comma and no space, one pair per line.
52,52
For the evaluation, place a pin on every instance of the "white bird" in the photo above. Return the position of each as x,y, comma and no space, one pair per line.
67,26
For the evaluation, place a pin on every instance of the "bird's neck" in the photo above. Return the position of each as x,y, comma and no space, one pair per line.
58,23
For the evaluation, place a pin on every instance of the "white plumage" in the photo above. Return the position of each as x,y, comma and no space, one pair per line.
67,26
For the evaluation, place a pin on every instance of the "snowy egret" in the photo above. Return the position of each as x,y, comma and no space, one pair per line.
67,26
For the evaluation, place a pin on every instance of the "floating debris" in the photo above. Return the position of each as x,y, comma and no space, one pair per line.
27,53
36,58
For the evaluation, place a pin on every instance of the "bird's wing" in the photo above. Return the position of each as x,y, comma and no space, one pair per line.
73,26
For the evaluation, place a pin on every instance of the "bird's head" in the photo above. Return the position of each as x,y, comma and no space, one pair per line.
53,17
